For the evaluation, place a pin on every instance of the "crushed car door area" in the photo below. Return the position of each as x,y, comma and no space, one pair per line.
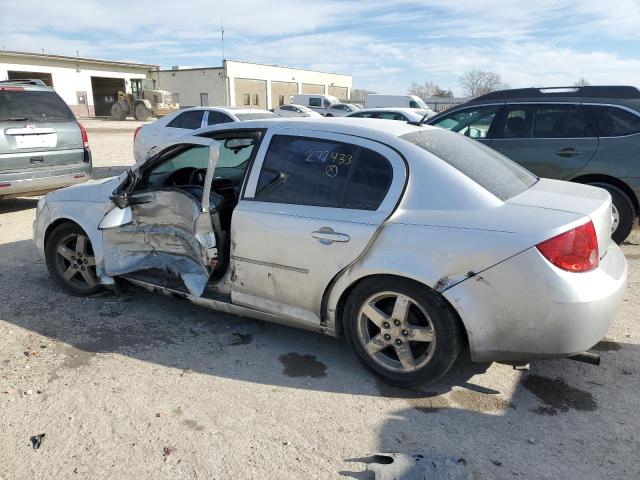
313,202
165,227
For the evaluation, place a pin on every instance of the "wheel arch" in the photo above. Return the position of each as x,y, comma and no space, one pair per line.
55,224
344,296
612,181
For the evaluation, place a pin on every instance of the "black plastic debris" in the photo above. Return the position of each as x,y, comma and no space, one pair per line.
400,466
36,441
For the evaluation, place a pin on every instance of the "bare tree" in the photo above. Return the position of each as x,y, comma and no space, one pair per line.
480,82
424,90
442,93
358,94
581,82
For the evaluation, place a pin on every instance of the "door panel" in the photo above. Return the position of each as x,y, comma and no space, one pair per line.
285,255
162,236
550,140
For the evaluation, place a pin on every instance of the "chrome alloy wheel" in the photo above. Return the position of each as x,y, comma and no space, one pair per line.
615,218
76,262
396,332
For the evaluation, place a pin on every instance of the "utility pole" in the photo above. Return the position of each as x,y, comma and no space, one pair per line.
222,38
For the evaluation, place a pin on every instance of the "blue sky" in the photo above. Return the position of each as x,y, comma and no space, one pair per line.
385,44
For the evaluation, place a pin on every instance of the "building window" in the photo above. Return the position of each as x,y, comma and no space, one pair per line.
280,100
256,99
176,98
247,99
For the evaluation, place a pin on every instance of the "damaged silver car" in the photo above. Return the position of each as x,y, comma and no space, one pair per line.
411,242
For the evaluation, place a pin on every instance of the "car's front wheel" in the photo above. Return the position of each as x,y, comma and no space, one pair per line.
71,260
401,331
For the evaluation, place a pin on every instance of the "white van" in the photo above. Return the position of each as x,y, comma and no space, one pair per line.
374,100
317,102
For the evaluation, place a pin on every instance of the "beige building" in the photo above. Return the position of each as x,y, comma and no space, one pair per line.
245,84
89,86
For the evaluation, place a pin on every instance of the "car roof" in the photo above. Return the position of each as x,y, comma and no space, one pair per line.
27,85
364,127
390,109
617,95
225,109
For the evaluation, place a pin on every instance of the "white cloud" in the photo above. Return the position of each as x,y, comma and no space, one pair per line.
385,44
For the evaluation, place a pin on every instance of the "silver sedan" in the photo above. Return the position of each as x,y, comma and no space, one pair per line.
411,242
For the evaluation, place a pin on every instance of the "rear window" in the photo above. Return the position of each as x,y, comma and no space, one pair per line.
613,121
489,169
255,115
33,106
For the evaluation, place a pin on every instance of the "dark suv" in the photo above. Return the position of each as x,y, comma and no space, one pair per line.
42,145
581,134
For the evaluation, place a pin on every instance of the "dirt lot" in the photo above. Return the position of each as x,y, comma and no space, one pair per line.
143,386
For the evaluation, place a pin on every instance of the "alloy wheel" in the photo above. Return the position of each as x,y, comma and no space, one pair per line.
396,332
76,262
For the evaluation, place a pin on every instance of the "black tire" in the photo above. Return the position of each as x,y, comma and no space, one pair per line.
439,354
329,115
626,212
141,112
61,256
117,112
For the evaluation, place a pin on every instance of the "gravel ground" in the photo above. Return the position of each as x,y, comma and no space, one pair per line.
144,386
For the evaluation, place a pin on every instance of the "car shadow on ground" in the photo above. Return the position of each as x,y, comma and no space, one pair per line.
578,399
12,205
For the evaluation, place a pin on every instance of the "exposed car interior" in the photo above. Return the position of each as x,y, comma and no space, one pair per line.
186,167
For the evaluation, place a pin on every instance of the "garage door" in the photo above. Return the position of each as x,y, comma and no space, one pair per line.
45,77
312,88
105,93
281,91
251,93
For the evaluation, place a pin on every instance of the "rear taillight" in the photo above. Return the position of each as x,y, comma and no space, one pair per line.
573,251
12,89
135,134
85,137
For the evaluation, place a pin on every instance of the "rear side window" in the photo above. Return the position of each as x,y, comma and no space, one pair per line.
190,120
324,173
33,106
613,121
215,118
492,171
315,102
535,121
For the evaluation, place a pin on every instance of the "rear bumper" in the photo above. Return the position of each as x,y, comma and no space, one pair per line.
525,308
35,182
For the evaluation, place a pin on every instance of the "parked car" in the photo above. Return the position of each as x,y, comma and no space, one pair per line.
341,109
412,242
402,114
295,111
316,102
587,135
42,145
181,122
376,100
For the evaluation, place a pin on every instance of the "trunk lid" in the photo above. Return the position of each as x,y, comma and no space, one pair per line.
586,200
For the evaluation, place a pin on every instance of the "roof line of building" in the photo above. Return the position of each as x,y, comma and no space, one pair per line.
255,63
77,59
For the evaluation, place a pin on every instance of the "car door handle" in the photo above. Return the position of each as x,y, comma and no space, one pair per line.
568,152
327,236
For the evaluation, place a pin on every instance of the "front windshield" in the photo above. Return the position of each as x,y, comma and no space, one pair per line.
420,103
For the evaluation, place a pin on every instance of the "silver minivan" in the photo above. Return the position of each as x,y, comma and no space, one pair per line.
42,145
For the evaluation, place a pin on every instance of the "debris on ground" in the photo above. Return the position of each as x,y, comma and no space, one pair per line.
390,466
166,451
36,441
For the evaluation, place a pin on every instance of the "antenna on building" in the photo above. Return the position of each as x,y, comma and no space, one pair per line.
222,38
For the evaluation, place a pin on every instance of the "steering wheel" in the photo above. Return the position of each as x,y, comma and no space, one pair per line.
180,177
198,177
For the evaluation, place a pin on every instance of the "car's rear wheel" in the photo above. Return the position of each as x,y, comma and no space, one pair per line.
622,213
71,260
401,331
